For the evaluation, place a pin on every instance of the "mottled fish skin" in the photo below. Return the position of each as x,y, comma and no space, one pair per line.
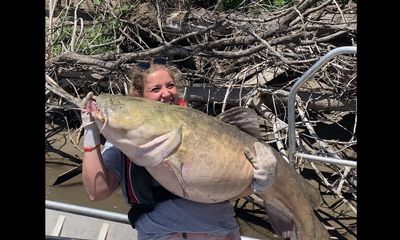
204,158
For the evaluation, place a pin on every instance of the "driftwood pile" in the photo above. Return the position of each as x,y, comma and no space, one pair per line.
248,54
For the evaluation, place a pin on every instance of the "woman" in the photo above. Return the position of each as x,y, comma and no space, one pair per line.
157,213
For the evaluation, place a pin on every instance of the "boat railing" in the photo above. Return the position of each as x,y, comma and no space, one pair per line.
292,151
87,211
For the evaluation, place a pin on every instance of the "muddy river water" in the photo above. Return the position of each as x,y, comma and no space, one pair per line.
72,191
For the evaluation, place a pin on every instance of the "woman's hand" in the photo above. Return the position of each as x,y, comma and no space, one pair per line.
264,163
91,137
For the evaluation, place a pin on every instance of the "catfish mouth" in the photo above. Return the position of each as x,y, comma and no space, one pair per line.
94,110
91,106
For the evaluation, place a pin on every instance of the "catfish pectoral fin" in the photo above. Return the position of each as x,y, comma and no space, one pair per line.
154,152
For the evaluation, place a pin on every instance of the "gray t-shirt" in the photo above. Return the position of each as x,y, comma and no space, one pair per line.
174,215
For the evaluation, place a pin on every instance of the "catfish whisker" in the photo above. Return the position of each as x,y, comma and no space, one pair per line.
104,125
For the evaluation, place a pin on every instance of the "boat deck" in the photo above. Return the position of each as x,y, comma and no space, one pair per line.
75,226
73,222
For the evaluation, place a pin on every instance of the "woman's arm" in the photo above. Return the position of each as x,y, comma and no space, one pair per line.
98,181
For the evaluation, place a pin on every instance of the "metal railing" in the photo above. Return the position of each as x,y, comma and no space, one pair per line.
86,211
291,114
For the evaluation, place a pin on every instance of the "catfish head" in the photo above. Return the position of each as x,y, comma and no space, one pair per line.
137,128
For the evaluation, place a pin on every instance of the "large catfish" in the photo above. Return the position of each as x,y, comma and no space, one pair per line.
202,158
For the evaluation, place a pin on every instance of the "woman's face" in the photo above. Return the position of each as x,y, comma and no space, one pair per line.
160,86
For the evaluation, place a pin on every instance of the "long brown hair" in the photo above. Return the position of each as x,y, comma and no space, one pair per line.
138,76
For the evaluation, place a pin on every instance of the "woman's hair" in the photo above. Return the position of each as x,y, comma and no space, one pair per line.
138,75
